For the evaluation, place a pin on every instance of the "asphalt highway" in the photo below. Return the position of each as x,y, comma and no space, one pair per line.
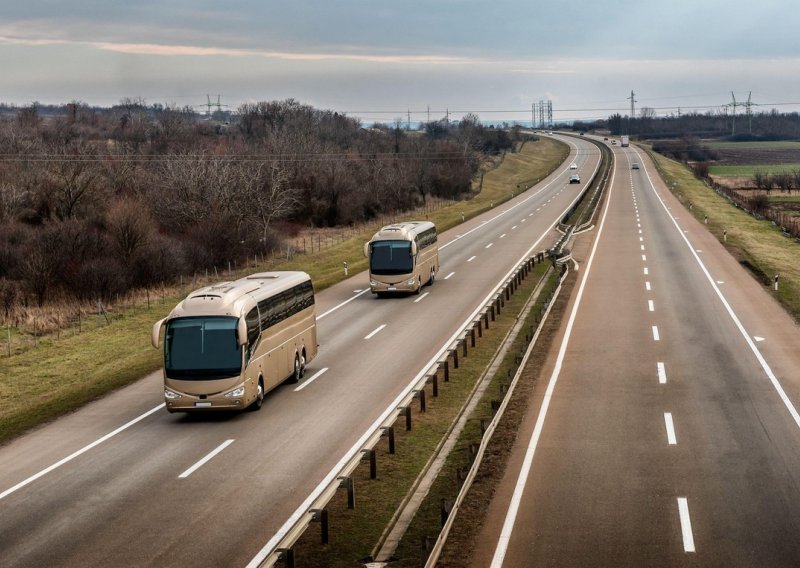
123,483
664,431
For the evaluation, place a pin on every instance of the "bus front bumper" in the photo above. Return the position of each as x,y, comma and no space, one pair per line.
194,403
409,285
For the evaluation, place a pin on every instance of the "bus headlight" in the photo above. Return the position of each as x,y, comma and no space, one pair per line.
412,282
373,283
171,395
238,392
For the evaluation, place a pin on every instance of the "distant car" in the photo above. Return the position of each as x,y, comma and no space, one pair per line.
614,142
573,166
635,166
574,178
605,137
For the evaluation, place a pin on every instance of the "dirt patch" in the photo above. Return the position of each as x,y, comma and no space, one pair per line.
758,156
460,543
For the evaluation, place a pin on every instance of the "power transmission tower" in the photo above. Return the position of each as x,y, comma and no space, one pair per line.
633,110
533,116
408,122
209,105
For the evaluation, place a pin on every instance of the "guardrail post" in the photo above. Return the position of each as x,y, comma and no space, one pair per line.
407,411
286,556
347,483
421,396
465,346
495,406
446,371
508,290
491,311
444,510
435,384
373,463
472,336
321,516
455,357
388,431
486,319
480,326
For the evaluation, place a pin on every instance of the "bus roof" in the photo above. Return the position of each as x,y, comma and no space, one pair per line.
404,231
237,297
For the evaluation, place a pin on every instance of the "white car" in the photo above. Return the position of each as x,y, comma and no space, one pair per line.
575,178
573,166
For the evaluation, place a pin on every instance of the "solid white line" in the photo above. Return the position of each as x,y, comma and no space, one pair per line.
489,245
756,352
651,306
656,337
662,373
374,331
420,298
527,464
670,429
83,450
686,525
449,275
334,308
203,461
470,259
647,286
311,379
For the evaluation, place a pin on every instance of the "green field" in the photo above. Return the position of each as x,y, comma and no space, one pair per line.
772,145
749,170
60,375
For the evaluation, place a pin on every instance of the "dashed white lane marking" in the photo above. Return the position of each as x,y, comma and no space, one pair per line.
670,429
523,220
647,286
470,259
311,379
656,337
686,525
720,282
646,271
489,245
503,235
421,297
662,373
651,306
531,214
698,250
356,291
514,227
644,257
758,338
374,331
449,275
203,461
641,247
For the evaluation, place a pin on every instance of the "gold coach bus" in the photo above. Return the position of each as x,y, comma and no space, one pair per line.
402,257
228,344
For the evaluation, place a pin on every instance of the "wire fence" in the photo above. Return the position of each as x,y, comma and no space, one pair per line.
788,223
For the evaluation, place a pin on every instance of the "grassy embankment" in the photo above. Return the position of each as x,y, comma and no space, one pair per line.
59,375
759,245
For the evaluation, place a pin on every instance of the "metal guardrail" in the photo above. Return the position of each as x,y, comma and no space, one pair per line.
487,435
279,548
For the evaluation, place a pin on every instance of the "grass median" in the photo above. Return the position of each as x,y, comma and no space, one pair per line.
62,373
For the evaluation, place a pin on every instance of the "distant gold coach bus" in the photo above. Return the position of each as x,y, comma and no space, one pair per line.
402,257
228,344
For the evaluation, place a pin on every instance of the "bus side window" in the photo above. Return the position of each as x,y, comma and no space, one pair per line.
253,331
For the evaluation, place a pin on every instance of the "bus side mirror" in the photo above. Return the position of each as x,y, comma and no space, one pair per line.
366,250
241,332
156,332
413,248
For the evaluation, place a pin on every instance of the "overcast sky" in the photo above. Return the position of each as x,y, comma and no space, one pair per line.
378,58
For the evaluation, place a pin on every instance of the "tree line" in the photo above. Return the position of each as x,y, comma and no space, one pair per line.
94,202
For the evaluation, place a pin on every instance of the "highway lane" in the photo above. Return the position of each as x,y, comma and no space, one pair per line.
664,440
124,501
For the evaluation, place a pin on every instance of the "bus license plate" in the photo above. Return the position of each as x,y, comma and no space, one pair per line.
202,404
391,288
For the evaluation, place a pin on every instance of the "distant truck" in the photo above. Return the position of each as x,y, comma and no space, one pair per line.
624,142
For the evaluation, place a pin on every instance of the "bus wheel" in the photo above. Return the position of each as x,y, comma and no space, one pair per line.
296,374
303,364
419,286
259,401
433,277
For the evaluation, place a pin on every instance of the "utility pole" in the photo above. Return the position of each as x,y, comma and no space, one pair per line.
533,116
408,122
633,110
429,113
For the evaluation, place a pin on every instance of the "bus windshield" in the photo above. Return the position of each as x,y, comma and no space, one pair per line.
202,348
391,257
